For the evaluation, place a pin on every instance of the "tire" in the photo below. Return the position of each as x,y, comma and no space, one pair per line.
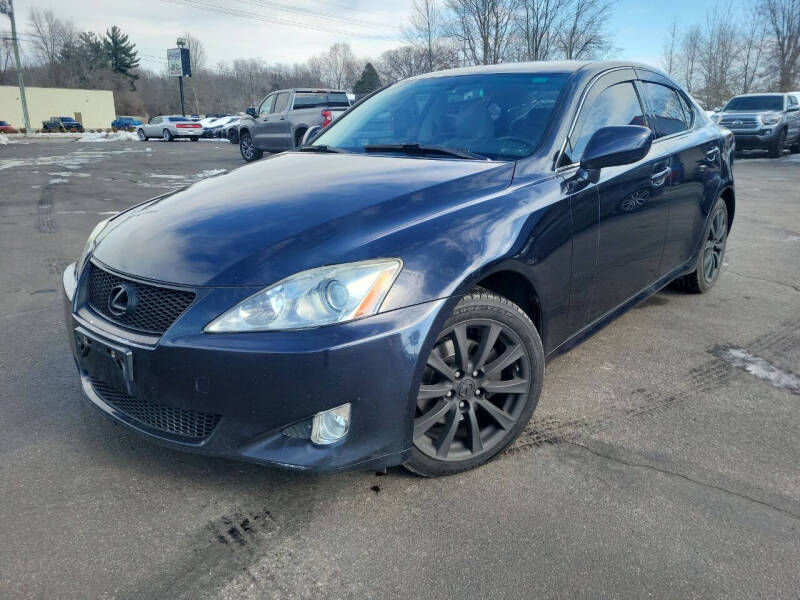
715,238
247,148
142,136
233,136
776,148
167,136
194,138
459,421
795,148
298,138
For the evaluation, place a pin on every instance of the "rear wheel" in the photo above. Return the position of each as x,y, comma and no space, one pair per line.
166,135
248,148
795,148
233,136
194,138
776,149
480,386
712,253
142,136
298,137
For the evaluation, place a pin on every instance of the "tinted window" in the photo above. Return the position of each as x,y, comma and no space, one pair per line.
3,124
281,102
616,105
665,109
178,119
499,115
756,103
317,99
688,109
155,120
266,105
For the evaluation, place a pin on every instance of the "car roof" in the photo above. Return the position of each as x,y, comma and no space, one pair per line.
589,67
318,90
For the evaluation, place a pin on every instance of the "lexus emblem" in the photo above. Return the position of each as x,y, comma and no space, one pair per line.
121,300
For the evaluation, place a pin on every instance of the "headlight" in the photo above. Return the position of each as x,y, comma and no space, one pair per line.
770,119
89,246
715,117
321,296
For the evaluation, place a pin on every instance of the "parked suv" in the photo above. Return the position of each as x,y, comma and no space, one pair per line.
123,122
283,117
763,122
61,124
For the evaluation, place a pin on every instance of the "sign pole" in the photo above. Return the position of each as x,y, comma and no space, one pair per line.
180,87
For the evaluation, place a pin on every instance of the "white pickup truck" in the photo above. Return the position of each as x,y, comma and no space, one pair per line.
283,117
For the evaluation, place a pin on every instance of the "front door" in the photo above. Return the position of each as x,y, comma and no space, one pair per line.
279,128
631,214
261,119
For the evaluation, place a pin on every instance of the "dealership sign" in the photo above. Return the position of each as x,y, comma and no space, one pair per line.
178,62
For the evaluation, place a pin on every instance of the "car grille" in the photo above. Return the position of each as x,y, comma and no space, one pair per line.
155,309
739,122
193,425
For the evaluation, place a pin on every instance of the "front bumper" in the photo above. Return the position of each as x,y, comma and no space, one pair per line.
256,385
755,139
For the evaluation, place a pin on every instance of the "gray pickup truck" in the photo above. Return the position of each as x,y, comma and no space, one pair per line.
283,117
763,122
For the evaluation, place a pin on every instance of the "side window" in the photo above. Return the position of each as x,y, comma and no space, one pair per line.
615,105
665,109
155,120
792,100
688,110
281,102
266,105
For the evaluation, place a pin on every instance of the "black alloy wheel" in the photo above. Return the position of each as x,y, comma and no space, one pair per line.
233,136
712,253
248,148
479,388
776,150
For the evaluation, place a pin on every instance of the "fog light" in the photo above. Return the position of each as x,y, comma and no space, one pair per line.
331,425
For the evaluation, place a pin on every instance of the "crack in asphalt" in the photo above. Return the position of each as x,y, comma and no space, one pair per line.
705,484
753,277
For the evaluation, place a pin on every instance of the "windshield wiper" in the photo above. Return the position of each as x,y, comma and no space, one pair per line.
420,150
324,148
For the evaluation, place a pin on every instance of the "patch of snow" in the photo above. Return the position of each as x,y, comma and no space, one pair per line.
69,173
72,160
210,173
4,140
109,136
167,176
763,369
58,180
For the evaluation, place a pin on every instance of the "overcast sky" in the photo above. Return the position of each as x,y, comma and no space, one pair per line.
292,30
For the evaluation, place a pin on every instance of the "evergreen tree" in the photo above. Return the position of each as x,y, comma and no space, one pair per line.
122,55
368,82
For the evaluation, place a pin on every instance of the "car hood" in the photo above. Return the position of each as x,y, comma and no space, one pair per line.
288,213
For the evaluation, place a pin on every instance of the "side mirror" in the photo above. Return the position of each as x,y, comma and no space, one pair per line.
717,109
251,110
793,108
310,133
613,146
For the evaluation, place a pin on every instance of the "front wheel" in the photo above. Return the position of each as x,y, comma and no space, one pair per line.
166,135
480,386
248,148
712,253
142,136
776,149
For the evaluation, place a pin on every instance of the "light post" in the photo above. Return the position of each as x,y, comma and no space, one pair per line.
7,8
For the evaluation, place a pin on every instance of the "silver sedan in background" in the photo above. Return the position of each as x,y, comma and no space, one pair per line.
170,127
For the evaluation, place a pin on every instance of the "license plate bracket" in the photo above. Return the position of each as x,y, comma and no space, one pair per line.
109,362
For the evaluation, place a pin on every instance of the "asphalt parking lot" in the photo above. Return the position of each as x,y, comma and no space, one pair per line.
663,460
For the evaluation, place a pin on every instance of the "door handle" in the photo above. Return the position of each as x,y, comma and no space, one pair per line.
711,153
283,117
659,178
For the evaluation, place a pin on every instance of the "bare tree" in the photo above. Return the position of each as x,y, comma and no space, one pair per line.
690,54
49,34
670,56
585,35
753,42
783,17
540,22
718,54
482,28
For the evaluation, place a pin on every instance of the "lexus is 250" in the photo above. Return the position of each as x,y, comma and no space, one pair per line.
388,293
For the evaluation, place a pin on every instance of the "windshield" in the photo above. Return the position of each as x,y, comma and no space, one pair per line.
756,103
500,115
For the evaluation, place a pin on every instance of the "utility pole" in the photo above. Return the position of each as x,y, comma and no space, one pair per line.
7,8
181,43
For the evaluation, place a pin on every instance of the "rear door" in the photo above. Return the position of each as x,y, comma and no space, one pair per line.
695,160
278,128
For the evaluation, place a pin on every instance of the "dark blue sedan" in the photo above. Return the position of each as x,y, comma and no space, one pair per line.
388,294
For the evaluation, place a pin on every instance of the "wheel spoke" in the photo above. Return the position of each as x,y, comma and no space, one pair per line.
429,419
436,390
462,346
450,427
475,443
437,363
501,362
488,341
516,385
501,417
